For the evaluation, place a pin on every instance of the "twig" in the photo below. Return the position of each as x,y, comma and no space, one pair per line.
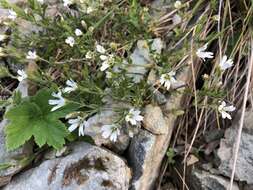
194,79
185,185
219,39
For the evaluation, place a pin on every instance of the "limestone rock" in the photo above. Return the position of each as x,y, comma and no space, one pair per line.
87,167
154,121
244,165
141,154
202,180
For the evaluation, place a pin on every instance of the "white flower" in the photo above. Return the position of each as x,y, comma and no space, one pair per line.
58,102
108,74
41,1
70,41
216,17
201,53
225,63
178,4
77,123
22,75
12,15
71,86
133,116
66,3
89,10
31,55
100,49
2,37
110,131
223,109
107,61
168,79
89,55
78,32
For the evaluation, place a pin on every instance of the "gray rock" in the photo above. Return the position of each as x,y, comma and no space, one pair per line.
87,167
244,164
12,159
147,150
94,130
202,180
141,153
154,121
145,155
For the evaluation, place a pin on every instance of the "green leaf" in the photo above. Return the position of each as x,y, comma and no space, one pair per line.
19,130
4,166
33,118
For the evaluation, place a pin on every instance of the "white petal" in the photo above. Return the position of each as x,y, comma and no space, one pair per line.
81,130
73,127
113,137
229,108
103,57
56,107
225,115
139,118
72,121
53,102
100,49
104,66
133,122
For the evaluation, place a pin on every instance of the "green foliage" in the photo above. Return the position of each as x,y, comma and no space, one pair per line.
33,118
3,72
171,154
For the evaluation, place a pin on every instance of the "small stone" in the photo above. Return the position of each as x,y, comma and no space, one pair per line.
154,121
87,167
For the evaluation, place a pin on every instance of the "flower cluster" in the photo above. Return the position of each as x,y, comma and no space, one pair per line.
107,59
112,131
224,64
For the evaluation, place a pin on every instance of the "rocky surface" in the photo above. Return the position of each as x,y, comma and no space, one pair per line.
244,164
87,167
202,180
154,121
12,159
